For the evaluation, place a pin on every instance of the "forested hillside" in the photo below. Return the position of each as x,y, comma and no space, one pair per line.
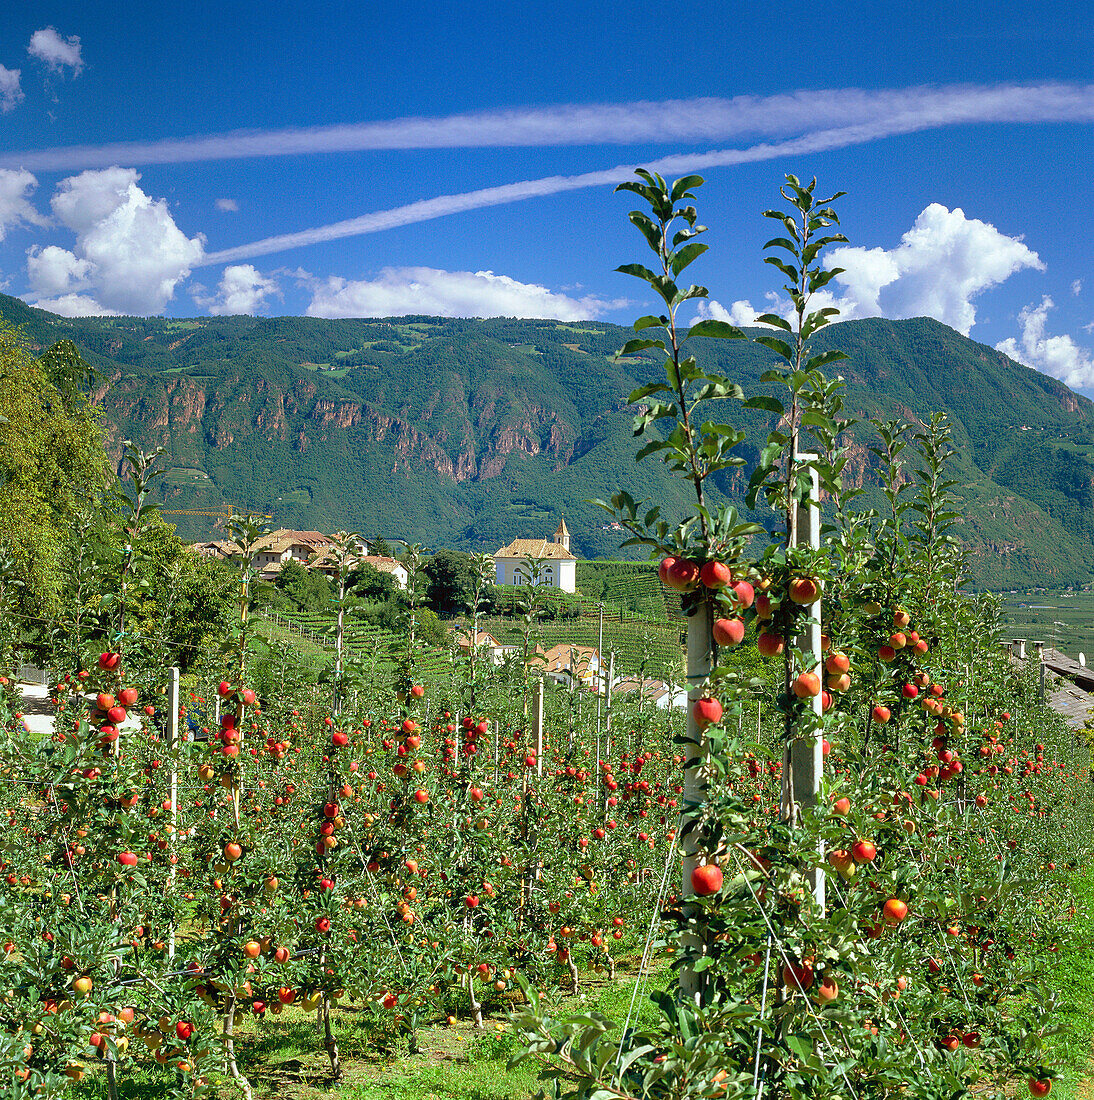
467,433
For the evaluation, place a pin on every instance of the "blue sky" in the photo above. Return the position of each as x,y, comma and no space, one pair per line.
374,159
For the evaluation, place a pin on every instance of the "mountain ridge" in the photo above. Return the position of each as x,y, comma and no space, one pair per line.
468,433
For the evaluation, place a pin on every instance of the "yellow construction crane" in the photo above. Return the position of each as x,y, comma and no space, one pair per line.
227,513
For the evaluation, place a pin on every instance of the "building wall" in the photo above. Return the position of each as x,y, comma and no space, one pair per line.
555,574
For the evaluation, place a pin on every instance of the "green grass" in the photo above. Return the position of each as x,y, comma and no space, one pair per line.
283,1058
1072,980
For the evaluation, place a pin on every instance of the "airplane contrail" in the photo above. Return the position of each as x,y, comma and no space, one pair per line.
698,120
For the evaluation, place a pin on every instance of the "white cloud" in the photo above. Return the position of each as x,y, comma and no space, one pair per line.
129,255
401,290
941,264
54,270
11,94
57,52
1077,287
741,313
1058,356
15,208
242,289
75,305
227,206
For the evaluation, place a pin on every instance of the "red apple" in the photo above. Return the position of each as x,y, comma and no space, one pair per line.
804,590
706,879
715,574
729,632
707,711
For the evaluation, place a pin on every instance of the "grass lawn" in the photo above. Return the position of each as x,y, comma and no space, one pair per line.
283,1056
1072,980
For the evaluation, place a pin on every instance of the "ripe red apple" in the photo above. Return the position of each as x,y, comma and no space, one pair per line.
684,575
806,685
826,992
881,714
728,632
804,590
798,976
769,645
745,594
842,806
707,711
894,910
664,571
109,661
864,851
421,796
715,574
1039,1086
837,663
706,879
224,689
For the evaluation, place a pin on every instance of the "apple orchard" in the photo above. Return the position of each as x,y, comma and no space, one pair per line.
850,891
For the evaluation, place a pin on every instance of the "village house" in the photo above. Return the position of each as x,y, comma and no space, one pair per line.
486,645
559,568
311,549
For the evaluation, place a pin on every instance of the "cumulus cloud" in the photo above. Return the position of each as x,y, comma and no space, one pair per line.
128,257
75,305
741,313
1058,356
242,289
1077,287
11,93
15,207
401,290
227,206
56,52
941,264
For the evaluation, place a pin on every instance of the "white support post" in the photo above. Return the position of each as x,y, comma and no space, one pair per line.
537,726
608,720
173,746
695,788
803,763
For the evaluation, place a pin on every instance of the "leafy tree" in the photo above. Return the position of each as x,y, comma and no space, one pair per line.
451,582
307,588
367,582
51,462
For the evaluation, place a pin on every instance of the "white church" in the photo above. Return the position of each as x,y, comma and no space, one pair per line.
559,565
